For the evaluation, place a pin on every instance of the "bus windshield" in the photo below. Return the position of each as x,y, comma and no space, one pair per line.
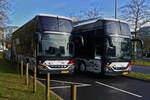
122,49
116,27
56,45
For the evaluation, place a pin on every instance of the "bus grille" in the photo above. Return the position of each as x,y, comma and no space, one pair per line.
120,68
56,66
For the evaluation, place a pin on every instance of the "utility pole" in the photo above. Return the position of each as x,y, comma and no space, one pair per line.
115,9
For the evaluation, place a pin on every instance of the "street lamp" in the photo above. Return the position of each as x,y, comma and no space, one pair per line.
115,9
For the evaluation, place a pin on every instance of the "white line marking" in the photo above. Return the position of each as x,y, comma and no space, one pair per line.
41,79
61,81
66,82
119,89
60,87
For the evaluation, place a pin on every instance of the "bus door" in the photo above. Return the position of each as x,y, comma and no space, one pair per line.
95,64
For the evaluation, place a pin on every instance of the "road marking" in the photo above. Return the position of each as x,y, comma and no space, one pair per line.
61,81
119,89
66,82
42,79
61,87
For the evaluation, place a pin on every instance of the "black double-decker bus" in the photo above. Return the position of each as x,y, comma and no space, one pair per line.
103,46
44,42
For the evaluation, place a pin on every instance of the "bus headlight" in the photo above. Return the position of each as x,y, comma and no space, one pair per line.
42,64
108,69
108,66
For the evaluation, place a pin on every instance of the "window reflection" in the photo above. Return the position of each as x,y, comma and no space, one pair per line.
55,45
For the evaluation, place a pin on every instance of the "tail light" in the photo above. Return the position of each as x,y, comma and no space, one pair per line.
129,64
71,62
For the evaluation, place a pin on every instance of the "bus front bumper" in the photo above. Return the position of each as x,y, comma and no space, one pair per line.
117,73
45,70
112,72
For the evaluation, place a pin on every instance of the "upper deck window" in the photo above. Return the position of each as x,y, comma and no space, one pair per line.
55,24
116,27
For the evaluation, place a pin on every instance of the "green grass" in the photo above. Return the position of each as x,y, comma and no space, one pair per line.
12,86
139,75
142,63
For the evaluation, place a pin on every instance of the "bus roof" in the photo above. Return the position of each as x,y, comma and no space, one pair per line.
93,20
50,15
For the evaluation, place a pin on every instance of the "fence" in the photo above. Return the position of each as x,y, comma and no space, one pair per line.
73,89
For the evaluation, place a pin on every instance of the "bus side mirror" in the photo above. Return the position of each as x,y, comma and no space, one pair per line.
79,40
110,41
111,50
140,41
38,37
140,51
82,40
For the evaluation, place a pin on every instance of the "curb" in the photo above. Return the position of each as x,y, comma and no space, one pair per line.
45,87
135,78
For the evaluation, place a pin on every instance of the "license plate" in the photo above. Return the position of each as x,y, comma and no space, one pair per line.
125,73
64,72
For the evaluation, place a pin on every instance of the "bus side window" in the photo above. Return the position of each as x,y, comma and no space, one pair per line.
75,46
99,32
71,48
97,52
78,41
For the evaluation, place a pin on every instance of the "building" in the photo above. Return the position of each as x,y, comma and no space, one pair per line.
144,34
5,35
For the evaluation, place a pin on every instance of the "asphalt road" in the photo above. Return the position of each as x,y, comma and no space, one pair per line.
94,87
141,69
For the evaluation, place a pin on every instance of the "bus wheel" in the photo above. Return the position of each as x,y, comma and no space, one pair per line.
82,67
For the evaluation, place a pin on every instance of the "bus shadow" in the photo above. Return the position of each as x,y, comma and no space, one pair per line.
6,66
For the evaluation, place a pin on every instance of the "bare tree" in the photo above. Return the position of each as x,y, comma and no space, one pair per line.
137,13
92,13
4,10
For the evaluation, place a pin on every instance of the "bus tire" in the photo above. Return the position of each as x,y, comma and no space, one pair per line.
82,67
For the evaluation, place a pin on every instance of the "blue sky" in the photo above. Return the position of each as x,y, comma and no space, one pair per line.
24,10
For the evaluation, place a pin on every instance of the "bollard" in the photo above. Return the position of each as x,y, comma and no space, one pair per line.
34,80
27,74
21,69
17,67
48,86
73,92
